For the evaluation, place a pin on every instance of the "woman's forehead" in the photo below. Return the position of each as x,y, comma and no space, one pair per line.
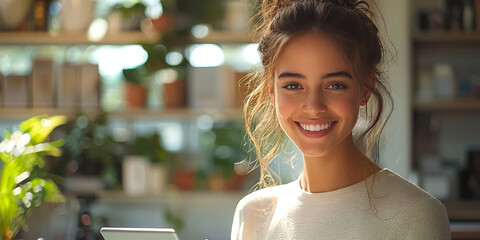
311,52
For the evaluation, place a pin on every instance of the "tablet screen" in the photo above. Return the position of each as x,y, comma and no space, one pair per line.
113,233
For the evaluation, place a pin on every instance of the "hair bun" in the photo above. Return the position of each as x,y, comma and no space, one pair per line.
351,4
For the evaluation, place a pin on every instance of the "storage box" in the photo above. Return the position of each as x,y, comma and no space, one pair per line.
211,87
15,91
89,86
42,83
68,85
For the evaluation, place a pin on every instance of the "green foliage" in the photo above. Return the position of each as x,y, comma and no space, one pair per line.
228,148
149,146
21,185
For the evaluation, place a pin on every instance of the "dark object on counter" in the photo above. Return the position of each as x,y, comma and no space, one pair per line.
453,15
85,230
431,20
470,176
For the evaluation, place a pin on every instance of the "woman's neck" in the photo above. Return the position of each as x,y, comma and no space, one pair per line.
344,166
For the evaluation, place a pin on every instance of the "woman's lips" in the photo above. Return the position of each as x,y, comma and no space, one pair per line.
315,130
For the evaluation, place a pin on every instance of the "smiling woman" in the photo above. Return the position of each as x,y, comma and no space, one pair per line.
320,76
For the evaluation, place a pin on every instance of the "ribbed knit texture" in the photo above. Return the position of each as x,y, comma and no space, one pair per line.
394,209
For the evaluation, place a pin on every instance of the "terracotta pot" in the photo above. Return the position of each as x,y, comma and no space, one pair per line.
174,94
136,95
185,180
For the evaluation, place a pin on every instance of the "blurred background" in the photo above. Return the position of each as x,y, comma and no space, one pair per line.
155,135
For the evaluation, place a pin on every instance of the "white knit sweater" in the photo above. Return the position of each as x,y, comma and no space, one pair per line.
394,209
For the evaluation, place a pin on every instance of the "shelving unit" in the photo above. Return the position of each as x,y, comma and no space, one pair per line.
74,38
446,37
461,104
144,114
120,38
220,37
445,129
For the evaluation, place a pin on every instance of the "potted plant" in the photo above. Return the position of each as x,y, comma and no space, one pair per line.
23,184
90,152
157,159
226,150
135,90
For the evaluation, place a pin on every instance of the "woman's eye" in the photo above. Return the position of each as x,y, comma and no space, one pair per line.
337,86
292,86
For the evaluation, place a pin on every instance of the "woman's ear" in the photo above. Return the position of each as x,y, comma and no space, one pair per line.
365,96
271,91
367,90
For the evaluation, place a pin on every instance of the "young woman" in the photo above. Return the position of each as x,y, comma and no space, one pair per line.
321,86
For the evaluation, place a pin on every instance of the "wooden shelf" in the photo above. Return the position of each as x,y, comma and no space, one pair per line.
171,195
74,38
464,104
220,37
447,37
15,114
120,38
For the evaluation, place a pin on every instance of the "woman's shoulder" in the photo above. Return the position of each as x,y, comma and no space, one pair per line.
395,192
415,213
263,198
394,186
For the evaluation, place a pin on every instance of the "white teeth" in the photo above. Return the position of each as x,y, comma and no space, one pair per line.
315,128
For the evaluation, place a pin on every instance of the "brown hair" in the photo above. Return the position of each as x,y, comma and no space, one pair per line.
351,23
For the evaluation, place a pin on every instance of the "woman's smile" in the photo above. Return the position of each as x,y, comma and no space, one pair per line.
315,130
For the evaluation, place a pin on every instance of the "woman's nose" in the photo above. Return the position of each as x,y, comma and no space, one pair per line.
315,103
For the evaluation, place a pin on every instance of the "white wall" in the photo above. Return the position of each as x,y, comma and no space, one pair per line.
396,151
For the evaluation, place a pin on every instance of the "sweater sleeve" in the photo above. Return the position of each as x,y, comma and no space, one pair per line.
237,225
426,219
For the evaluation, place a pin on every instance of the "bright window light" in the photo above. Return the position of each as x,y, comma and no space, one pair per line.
174,58
112,59
172,137
133,56
251,55
200,31
206,55
98,28
154,9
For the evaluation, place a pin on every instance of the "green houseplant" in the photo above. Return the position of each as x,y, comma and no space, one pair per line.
23,185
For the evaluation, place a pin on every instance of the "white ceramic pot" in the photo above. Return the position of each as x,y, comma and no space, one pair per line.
157,178
76,15
135,174
13,12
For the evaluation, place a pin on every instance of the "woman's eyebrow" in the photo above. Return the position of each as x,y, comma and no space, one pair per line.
291,75
337,74
328,75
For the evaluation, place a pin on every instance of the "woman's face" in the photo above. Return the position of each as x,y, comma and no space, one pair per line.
316,98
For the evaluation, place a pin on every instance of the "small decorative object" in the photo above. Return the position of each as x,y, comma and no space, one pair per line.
425,91
23,183
76,15
13,13
444,81
157,178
